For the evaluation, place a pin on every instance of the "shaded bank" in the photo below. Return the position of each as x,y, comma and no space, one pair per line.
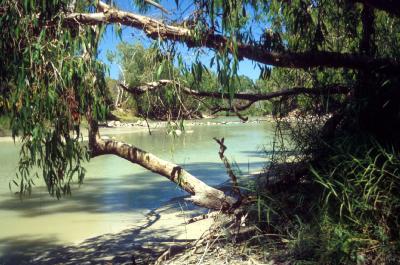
142,243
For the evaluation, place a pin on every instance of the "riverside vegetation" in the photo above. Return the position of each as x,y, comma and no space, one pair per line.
330,194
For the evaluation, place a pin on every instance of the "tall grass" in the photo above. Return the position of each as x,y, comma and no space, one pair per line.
360,201
346,210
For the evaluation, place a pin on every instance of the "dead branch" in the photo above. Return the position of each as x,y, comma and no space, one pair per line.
236,108
169,253
157,5
240,116
222,148
201,217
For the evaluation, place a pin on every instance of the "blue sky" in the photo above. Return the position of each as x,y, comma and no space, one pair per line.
110,39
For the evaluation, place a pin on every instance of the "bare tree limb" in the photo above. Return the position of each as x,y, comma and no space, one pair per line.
155,29
236,108
102,7
251,98
202,194
157,5
222,149
240,116
151,86
202,217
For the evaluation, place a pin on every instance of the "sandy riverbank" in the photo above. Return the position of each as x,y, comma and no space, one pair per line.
189,123
143,242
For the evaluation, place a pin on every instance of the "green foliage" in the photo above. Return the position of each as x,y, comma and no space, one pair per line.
387,36
362,181
140,65
349,206
49,79
125,115
168,102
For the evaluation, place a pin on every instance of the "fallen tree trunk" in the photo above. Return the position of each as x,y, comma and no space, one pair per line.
202,194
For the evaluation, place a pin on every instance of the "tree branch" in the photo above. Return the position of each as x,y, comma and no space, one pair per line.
234,108
252,97
157,5
368,30
222,149
155,29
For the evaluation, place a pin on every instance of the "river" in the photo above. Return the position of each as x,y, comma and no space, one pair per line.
117,193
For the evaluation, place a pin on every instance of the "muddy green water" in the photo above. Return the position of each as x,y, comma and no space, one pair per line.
117,193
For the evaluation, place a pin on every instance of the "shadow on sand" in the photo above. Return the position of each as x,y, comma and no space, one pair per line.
138,245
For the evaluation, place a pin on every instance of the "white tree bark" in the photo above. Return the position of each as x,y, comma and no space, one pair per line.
202,194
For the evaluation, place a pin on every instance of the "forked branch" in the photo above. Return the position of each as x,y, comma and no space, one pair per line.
229,170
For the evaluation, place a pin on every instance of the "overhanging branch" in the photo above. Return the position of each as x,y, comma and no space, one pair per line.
252,97
155,29
249,98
